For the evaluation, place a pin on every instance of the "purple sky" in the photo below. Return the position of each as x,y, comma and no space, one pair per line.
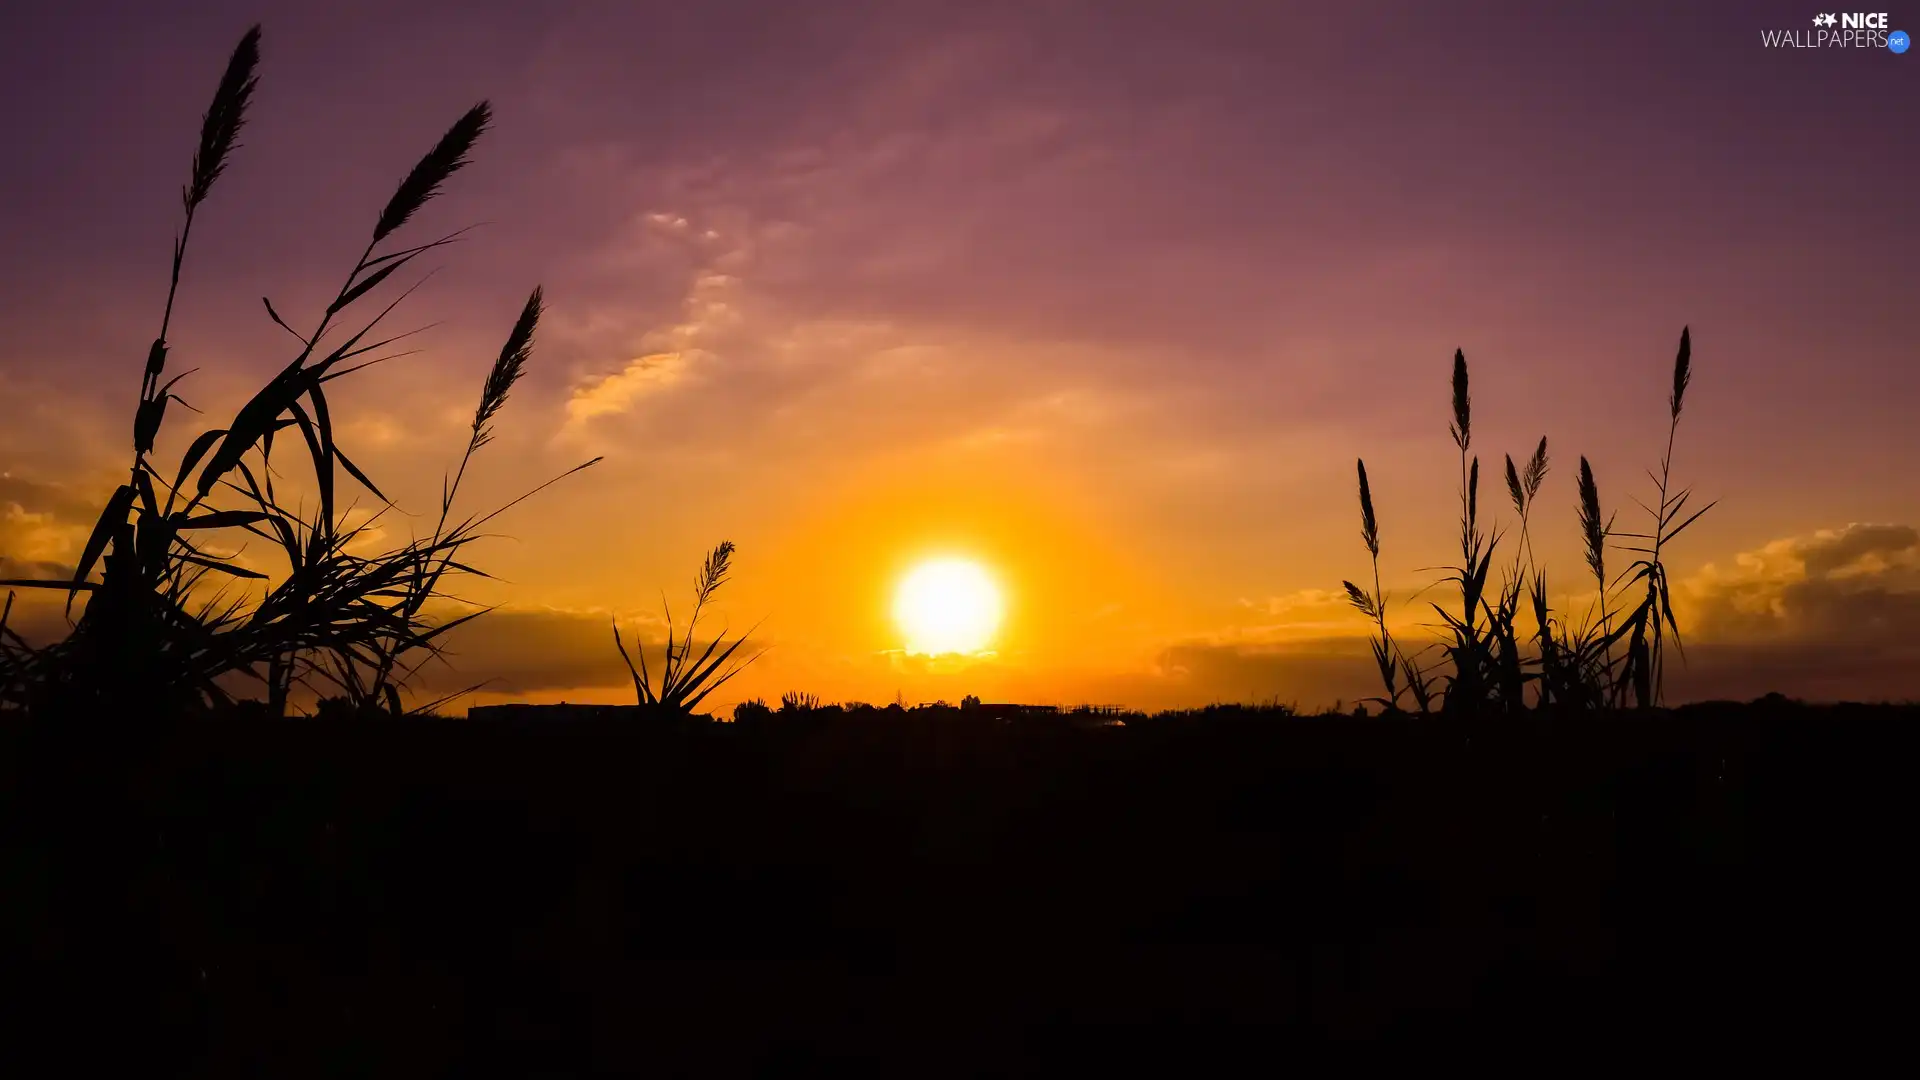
1109,295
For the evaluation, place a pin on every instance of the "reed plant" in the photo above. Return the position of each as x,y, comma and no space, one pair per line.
796,701
1489,664
1646,626
1392,663
684,680
170,621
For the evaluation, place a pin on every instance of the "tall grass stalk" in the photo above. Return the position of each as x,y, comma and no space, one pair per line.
1468,684
1645,628
1374,604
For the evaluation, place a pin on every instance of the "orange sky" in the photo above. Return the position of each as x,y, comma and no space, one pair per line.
1110,306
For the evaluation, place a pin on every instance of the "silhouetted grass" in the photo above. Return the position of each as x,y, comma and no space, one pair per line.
1645,666
684,680
1486,667
1392,663
169,621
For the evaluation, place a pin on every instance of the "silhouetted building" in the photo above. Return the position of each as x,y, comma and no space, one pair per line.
561,711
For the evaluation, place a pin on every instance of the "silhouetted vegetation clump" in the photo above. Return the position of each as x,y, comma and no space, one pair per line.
1487,663
175,620
684,679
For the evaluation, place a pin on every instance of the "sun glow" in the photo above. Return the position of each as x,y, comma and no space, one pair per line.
947,606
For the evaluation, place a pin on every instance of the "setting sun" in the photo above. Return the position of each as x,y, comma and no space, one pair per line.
947,606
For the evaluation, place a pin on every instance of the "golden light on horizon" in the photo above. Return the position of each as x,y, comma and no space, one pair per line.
947,605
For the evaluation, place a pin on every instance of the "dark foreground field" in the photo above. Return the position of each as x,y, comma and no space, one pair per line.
956,897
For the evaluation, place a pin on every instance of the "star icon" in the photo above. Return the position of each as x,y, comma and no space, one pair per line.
1826,20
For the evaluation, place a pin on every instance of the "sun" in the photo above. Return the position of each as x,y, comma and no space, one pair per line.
947,606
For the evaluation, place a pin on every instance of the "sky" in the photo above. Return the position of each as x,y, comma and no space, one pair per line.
1107,298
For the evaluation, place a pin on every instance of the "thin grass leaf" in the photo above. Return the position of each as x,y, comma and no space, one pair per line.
282,324
225,519
434,705
344,372
351,348
112,517
41,583
365,285
639,685
496,513
721,681
1671,508
453,237
354,471
319,448
225,568
1696,517
250,425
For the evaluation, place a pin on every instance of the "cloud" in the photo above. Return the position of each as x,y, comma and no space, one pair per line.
1831,616
709,320
34,495
1858,586
1310,674
42,528
526,651
642,377
1304,614
33,545
536,652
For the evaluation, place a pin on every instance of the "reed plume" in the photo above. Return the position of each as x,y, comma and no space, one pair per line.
507,369
447,157
1591,529
1462,428
1369,525
1682,374
220,126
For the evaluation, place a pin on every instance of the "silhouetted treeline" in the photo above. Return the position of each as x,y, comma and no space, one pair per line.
936,895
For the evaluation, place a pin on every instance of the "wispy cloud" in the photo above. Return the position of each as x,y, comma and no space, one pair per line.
643,376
